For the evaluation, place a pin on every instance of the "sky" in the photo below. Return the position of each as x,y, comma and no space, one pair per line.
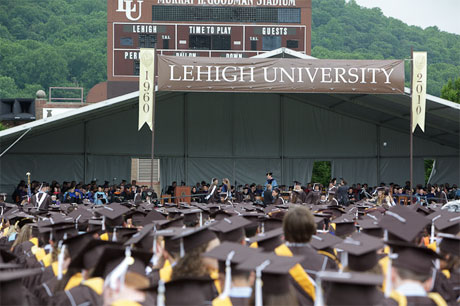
445,14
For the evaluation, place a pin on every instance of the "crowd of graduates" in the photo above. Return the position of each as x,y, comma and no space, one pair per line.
305,247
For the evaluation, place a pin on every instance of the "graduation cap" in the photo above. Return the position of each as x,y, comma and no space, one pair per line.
152,215
122,234
414,258
221,214
344,288
447,222
371,227
190,291
113,214
112,257
344,225
59,231
272,271
424,210
361,251
137,216
449,244
81,215
268,241
192,238
89,254
231,229
191,216
76,243
230,254
11,292
404,223
323,241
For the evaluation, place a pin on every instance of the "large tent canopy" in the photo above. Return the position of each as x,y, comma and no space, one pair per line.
240,136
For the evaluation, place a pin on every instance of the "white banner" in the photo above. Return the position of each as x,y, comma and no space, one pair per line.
419,90
146,87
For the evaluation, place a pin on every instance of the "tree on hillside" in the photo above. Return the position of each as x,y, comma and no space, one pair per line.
451,91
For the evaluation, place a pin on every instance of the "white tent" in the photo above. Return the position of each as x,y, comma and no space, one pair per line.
239,136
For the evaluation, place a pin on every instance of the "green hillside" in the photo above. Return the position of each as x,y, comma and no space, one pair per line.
63,42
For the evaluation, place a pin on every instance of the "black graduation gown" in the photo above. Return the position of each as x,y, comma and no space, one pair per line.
445,288
313,262
298,197
313,197
240,301
412,301
46,202
78,295
278,201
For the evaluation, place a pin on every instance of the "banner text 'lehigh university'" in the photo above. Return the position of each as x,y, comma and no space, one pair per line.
281,75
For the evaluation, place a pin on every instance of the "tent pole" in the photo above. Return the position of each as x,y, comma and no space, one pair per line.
153,124
378,154
411,151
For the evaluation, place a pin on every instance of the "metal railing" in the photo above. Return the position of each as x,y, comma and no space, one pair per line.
60,99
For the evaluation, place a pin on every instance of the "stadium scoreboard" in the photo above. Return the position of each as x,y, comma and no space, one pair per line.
193,28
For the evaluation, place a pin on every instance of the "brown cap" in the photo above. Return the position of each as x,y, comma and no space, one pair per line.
403,223
275,274
190,291
323,241
414,258
270,240
231,229
450,244
344,225
240,253
446,221
362,251
371,227
112,256
193,238
344,288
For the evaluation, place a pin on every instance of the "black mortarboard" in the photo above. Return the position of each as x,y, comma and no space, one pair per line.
190,291
60,231
191,216
90,253
362,251
112,211
371,227
344,225
11,286
112,256
193,238
122,234
450,244
153,215
414,258
344,288
81,215
6,256
231,229
76,243
275,274
322,241
270,240
448,222
403,223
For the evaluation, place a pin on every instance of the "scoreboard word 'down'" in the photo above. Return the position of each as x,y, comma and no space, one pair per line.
203,28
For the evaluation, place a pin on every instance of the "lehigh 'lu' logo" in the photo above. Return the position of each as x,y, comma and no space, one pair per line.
128,7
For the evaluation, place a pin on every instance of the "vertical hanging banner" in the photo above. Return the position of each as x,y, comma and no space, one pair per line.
146,87
419,90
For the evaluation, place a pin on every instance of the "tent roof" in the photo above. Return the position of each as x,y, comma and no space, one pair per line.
442,123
